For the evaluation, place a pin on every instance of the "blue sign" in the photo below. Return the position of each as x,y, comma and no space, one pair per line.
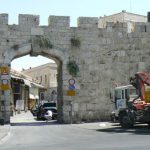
72,87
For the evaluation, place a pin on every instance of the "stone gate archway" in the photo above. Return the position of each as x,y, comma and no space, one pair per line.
25,49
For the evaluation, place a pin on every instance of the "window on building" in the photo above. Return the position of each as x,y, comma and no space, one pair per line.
45,79
16,88
16,92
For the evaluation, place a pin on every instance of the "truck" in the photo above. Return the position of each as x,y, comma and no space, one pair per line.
132,102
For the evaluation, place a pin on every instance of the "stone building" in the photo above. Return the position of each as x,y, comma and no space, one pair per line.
123,16
103,57
25,91
47,76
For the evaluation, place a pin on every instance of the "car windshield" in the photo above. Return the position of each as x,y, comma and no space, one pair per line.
49,105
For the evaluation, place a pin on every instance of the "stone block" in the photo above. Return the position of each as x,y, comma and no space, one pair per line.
66,118
2,98
37,31
2,108
67,108
76,107
90,107
141,66
82,107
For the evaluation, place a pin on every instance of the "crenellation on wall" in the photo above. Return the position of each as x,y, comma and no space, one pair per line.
29,21
59,21
87,22
3,19
142,27
139,27
148,27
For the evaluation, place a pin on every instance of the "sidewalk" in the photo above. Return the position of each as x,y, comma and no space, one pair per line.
4,132
22,117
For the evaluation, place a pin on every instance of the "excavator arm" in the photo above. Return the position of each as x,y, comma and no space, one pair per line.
138,82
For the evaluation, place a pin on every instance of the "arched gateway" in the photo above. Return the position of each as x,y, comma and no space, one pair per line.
91,60
25,49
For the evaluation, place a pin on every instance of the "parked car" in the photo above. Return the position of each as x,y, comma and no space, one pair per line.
43,108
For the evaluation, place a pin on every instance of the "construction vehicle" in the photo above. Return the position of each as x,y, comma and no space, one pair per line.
122,94
132,102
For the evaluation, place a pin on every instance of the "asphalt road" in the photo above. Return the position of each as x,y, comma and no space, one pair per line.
52,136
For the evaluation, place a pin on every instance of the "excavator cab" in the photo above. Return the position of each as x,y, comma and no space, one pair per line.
123,95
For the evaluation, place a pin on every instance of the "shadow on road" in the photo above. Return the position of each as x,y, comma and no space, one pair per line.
43,123
137,129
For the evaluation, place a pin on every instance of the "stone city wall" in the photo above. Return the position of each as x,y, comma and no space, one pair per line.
106,57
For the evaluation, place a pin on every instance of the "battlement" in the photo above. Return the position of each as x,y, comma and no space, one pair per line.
142,27
29,21
59,21
87,22
3,19
53,21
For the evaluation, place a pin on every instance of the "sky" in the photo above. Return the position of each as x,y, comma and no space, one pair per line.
74,9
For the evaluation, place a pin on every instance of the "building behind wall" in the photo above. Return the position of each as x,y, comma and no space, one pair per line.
47,76
123,16
25,91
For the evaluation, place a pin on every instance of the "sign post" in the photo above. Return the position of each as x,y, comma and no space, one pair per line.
71,92
71,88
5,71
5,91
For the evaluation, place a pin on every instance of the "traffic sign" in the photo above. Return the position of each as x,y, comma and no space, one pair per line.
71,87
71,93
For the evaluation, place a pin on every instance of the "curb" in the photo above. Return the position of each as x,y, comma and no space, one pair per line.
6,134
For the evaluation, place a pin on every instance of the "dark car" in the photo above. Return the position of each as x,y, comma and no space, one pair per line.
42,109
